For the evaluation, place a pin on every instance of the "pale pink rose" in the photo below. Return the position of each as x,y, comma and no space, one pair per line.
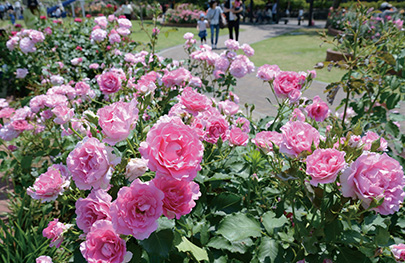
109,82
130,58
82,88
286,82
54,100
21,125
232,44
298,136
375,176
6,112
237,137
67,90
123,31
318,110
243,124
21,73
177,77
8,133
125,23
3,103
91,164
48,31
179,196
172,148
249,51
22,113
43,259
54,231
63,114
27,45
194,101
312,73
101,21
294,95
399,252
265,139
324,165
94,66
137,209
369,138
57,80
114,38
98,35
96,206
136,167
268,72
49,185
228,107
297,115
104,245
12,43
36,36
195,82
111,18
188,36
355,141
398,23
217,127
222,63
218,74
241,66
117,120
76,61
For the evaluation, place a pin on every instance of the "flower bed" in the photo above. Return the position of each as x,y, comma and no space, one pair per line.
119,155
183,14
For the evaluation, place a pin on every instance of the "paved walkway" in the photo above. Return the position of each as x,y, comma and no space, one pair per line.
250,89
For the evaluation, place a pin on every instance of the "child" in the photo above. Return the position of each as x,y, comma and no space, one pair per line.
202,25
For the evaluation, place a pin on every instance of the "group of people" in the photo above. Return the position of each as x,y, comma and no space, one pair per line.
31,13
232,10
11,11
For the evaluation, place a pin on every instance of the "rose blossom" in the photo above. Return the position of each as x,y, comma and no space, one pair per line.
265,139
3,103
232,44
222,63
137,209
324,165
123,31
103,244
217,126
94,66
98,34
27,45
268,72
194,101
117,120
176,77
298,136
21,73
188,36
43,259
241,66
172,148
49,185
96,206
399,252
179,196
297,115
228,107
375,176
36,36
109,82
123,22
6,112
318,110
76,61
249,51
55,231
287,84
63,114
237,137
101,21
369,138
136,167
91,164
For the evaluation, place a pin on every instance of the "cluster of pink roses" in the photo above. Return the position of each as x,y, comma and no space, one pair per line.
26,40
120,28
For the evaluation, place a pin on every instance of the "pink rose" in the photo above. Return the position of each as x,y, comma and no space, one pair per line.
43,259
324,165
286,83
268,72
103,244
375,176
399,252
173,148
318,110
369,138
63,114
96,206
123,22
241,66
21,73
136,167
298,136
177,77
55,231
194,101
249,51
101,21
265,139
188,36
114,38
49,185
21,125
232,44
91,164
297,115
76,61
228,107
109,82
137,209
36,36
179,196
98,34
222,63
82,88
27,45
216,127
123,31
118,120
6,112
237,137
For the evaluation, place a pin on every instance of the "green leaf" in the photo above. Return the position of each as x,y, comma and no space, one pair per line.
392,128
227,202
26,162
382,237
350,255
159,242
240,246
268,249
393,100
239,226
270,221
197,252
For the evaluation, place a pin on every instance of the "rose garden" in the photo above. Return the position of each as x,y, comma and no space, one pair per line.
117,154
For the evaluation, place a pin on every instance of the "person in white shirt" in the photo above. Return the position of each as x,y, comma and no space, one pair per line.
213,15
127,10
17,9
232,9
202,25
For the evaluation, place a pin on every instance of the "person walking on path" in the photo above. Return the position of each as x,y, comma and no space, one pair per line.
213,16
232,9
17,9
202,28
127,10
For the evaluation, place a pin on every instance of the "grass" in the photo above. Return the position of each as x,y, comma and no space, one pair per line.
296,51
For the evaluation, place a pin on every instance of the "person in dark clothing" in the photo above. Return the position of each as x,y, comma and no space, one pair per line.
232,10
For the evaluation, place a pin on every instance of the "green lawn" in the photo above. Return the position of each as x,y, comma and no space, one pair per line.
296,51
